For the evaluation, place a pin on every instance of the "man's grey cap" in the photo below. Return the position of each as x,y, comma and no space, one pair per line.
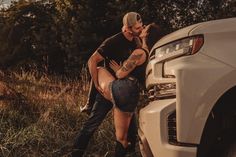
131,18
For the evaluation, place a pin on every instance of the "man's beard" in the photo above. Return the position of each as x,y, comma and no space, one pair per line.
135,34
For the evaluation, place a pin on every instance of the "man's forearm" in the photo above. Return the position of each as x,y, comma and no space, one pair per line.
92,65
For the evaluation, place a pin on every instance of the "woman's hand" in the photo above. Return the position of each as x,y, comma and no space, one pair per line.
115,66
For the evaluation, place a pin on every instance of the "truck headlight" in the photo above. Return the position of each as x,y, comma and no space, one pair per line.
161,91
185,46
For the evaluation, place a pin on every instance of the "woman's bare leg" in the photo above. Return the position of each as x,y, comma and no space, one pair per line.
121,119
104,79
122,122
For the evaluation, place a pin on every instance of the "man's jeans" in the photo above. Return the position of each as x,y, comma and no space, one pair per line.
100,109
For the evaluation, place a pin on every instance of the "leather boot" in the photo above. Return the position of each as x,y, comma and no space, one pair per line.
120,151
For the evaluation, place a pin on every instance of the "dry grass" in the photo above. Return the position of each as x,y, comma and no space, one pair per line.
44,118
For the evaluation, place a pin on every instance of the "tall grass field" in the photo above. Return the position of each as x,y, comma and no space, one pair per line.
40,116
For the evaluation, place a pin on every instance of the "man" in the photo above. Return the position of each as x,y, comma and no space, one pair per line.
117,48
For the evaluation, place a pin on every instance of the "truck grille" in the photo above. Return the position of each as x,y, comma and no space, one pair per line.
172,132
172,136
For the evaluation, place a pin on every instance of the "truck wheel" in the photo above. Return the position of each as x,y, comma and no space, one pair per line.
219,138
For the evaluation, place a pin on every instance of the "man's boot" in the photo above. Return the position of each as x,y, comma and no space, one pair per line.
120,151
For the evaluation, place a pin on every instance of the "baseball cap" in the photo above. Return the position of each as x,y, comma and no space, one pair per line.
131,18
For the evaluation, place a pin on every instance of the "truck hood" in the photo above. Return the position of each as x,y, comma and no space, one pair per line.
199,28
216,26
181,33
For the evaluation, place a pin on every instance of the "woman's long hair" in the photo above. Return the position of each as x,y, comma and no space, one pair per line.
154,34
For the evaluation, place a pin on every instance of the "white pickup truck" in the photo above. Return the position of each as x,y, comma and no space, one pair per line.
191,81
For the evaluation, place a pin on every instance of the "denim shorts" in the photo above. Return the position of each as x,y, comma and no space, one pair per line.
125,93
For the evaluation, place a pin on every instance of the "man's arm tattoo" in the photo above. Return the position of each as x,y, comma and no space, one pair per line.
131,62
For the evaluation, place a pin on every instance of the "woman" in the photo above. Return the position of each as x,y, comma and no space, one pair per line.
123,91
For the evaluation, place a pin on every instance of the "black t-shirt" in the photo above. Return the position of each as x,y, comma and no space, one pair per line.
116,48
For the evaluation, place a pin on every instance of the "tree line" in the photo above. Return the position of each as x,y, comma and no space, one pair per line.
58,36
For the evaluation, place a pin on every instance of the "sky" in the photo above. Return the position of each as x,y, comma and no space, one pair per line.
5,3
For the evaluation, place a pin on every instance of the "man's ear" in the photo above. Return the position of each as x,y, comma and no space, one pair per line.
129,30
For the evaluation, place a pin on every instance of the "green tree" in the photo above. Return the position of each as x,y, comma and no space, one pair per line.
59,35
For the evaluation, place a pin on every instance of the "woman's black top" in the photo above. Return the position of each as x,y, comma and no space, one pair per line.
139,71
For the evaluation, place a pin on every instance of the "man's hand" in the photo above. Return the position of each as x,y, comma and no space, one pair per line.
92,64
115,66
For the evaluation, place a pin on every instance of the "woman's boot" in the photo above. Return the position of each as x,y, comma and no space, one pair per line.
120,150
